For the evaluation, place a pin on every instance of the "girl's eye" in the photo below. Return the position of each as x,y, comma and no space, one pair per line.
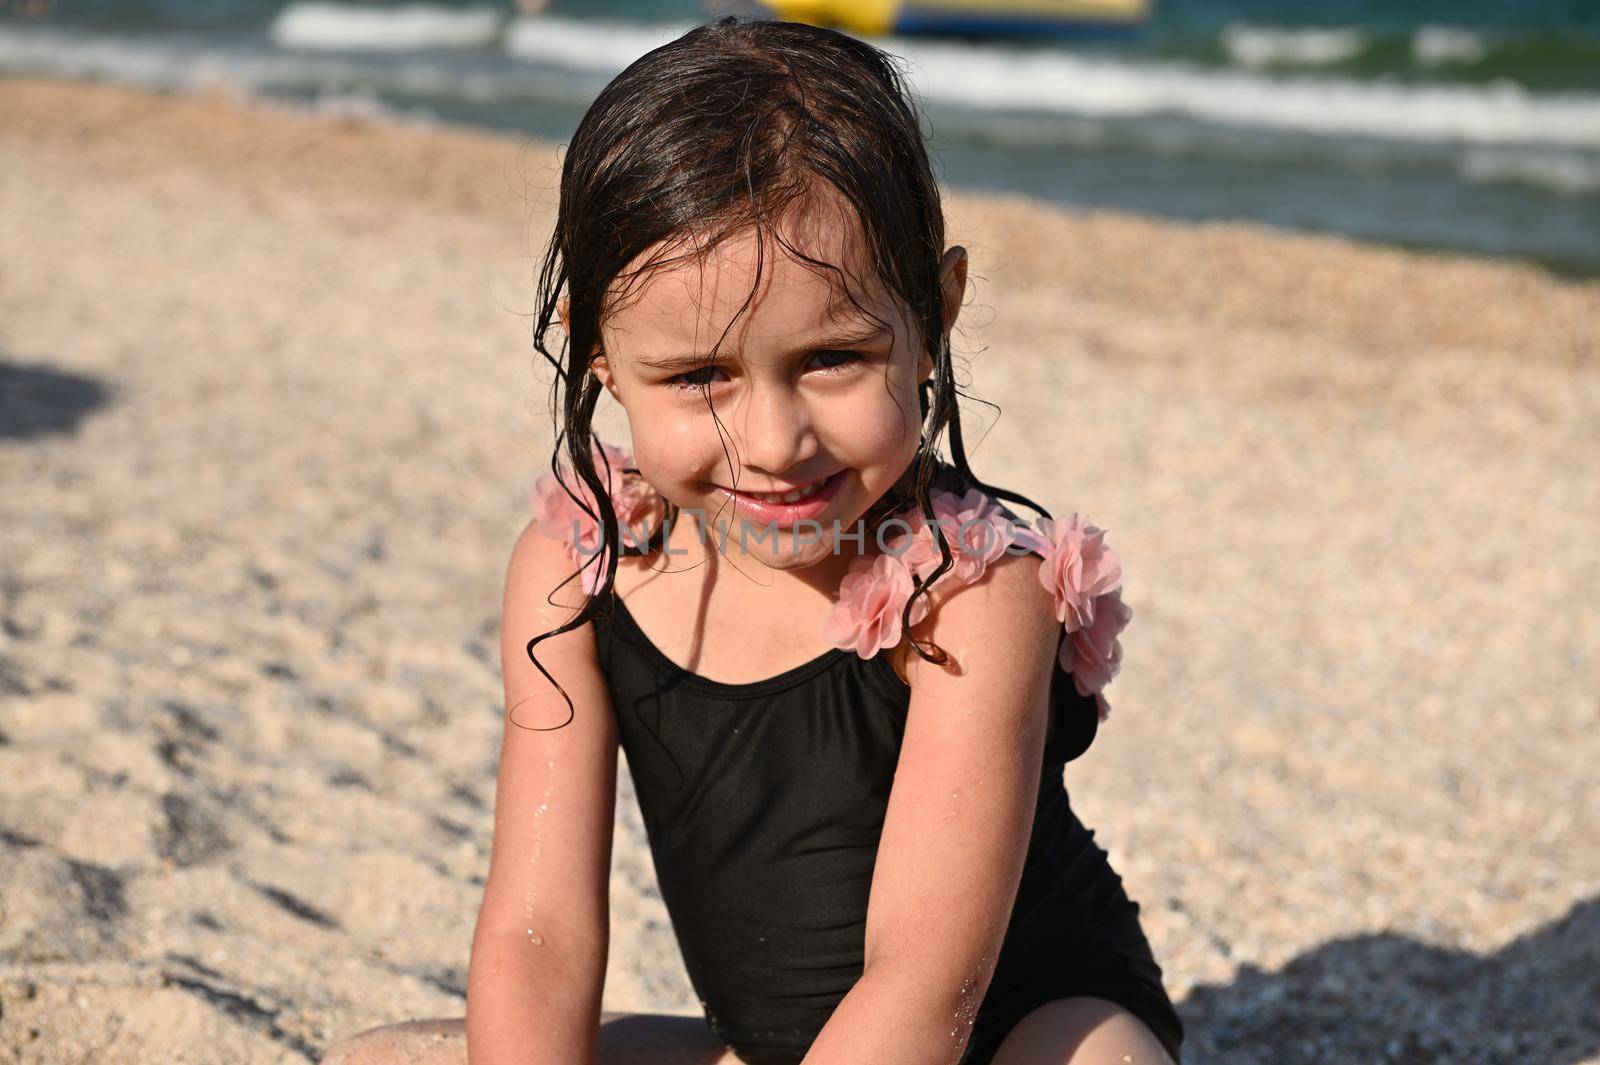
690,382
849,357
693,382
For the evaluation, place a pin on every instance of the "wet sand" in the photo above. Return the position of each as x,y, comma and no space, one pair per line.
269,414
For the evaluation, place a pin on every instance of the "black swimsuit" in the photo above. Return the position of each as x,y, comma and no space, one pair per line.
764,803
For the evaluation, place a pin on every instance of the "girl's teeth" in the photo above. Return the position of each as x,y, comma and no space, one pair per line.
789,497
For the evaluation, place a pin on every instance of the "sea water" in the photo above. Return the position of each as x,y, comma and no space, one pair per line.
1469,124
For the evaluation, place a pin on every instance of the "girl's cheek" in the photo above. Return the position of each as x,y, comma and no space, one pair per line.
670,447
677,450
871,427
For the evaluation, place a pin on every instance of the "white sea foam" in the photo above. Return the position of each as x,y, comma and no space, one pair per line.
587,45
1571,175
170,62
1059,82
1433,46
361,104
987,78
1254,46
407,27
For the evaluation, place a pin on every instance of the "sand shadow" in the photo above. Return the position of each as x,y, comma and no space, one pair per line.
1390,998
37,401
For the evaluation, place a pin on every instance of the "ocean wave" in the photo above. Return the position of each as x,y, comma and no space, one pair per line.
1497,113
1254,46
1056,82
409,27
170,62
1434,46
1263,47
362,104
587,45
1570,175
534,52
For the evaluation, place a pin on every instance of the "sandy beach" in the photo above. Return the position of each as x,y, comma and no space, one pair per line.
269,411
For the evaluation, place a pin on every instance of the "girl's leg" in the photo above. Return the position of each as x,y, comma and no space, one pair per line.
625,1039
1082,1030
433,1042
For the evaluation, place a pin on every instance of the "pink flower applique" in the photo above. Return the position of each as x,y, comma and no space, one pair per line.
866,618
974,526
1092,654
1078,567
560,516
1082,574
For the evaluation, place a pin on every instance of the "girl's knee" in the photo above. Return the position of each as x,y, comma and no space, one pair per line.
432,1042
1084,1030
625,1039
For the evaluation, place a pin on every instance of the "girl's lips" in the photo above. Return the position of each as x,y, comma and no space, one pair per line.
809,508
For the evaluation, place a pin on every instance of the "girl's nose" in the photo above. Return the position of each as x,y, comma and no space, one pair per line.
779,435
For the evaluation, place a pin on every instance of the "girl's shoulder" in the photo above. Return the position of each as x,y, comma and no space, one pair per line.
566,511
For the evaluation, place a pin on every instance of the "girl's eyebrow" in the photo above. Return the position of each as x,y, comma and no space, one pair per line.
690,360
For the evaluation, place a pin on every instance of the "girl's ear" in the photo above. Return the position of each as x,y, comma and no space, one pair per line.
602,369
953,287
598,365
953,280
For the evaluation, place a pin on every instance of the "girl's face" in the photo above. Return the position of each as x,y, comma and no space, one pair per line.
805,389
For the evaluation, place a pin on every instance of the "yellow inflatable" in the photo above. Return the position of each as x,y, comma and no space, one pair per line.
1008,18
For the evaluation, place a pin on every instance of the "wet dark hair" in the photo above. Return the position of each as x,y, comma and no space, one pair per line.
724,130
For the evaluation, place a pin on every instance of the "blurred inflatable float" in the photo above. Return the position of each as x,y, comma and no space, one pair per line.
973,18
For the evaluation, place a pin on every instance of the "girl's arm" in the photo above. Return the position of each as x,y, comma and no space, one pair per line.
539,948
955,836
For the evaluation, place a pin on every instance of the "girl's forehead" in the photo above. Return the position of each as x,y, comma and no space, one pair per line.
751,285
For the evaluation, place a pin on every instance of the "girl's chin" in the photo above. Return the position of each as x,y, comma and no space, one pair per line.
786,562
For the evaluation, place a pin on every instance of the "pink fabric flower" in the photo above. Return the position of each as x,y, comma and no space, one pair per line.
1081,573
866,618
1092,654
1077,569
561,517
975,527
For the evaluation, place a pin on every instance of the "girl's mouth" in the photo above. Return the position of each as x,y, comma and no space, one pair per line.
803,504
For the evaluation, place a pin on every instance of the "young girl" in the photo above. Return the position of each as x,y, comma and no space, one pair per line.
845,677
